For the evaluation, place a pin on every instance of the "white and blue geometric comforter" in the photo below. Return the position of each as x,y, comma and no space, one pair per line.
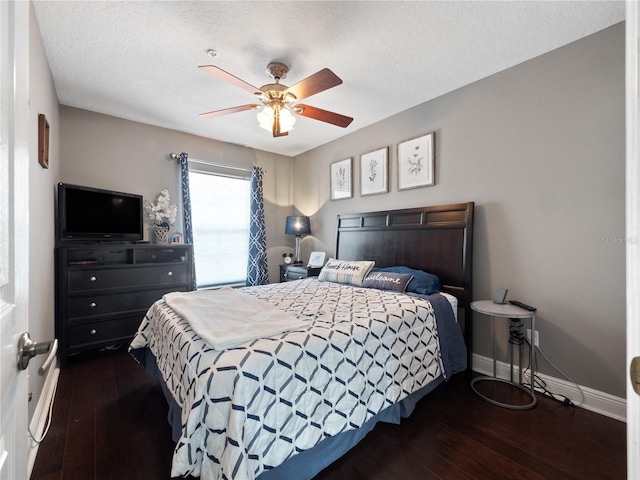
250,408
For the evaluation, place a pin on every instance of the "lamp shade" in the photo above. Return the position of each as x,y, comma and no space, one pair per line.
297,225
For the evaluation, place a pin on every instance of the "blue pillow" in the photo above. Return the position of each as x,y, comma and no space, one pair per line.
422,282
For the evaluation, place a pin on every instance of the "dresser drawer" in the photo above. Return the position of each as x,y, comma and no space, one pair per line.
162,255
297,272
94,305
105,278
109,331
292,273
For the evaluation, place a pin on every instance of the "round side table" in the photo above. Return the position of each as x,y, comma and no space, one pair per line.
506,310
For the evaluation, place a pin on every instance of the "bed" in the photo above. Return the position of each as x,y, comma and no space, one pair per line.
287,405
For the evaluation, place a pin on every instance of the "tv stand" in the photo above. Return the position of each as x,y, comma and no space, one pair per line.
103,291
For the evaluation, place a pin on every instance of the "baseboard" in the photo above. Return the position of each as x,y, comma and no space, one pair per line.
39,421
594,400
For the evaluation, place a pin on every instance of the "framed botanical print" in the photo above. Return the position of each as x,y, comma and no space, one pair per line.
374,172
415,162
341,179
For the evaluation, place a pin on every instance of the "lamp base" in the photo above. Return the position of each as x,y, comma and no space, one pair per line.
296,259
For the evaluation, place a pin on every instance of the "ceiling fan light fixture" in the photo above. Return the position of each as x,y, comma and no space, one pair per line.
287,121
268,115
265,118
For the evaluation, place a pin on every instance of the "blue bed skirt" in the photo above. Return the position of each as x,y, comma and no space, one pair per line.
306,464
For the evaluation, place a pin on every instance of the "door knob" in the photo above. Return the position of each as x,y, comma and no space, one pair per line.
27,349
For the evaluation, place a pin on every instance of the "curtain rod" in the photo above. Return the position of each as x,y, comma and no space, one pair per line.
175,156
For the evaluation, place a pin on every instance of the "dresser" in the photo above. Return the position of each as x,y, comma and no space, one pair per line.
103,291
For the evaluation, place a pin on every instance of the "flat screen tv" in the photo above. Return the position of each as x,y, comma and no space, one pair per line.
93,215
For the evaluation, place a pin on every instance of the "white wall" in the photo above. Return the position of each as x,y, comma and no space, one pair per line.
540,149
42,99
108,152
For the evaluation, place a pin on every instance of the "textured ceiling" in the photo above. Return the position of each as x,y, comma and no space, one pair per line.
139,60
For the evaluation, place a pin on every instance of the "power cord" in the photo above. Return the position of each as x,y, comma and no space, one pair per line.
540,385
516,336
566,400
49,417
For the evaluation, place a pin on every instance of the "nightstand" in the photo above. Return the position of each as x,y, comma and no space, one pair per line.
289,273
509,311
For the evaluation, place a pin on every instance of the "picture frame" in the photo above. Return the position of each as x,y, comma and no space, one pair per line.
374,172
416,160
43,141
341,180
316,259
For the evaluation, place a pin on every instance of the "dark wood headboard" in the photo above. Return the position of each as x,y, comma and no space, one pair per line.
436,239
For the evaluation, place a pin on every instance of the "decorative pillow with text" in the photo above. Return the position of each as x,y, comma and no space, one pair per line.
387,281
423,283
343,271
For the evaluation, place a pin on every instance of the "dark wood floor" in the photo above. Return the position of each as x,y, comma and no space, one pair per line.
109,422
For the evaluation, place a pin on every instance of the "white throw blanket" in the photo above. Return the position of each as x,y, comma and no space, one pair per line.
226,318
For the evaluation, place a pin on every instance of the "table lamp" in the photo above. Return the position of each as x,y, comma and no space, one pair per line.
297,225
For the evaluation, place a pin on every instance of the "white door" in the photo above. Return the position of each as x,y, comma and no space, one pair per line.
633,231
14,218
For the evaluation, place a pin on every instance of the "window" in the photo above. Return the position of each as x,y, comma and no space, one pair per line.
220,208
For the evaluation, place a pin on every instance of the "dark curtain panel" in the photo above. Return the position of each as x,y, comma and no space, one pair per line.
257,273
183,159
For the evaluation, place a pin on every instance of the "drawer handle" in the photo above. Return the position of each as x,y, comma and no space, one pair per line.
93,305
93,331
92,279
170,273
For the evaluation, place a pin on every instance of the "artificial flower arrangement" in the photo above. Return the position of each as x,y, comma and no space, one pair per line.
161,213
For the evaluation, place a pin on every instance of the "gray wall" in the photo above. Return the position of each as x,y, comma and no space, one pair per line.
108,152
42,99
540,149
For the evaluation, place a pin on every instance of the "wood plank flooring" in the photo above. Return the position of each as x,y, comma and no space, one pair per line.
109,422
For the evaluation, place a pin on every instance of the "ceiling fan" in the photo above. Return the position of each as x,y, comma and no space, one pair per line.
279,101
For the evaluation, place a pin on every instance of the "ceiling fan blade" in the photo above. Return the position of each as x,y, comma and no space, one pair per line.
316,83
323,115
219,73
227,111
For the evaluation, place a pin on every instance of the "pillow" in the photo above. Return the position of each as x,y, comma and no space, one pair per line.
387,281
422,282
342,271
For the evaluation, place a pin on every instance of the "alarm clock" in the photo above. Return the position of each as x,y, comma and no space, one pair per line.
288,258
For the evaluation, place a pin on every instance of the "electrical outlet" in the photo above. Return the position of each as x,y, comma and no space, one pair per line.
536,336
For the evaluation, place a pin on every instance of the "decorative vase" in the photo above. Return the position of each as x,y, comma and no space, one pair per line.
161,233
